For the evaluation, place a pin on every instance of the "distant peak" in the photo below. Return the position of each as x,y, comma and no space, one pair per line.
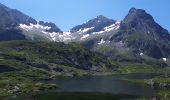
101,16
135,14
3,6
134,10
97,24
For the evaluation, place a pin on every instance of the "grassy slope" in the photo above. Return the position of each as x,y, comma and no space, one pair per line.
127,68
34,61
50,56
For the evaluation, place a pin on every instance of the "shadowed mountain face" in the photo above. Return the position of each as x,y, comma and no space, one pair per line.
11,19
137,38
140,21
140,32
97,23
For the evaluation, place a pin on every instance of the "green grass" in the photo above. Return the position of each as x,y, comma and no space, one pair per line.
23,81
38,53
141,68
162,80
162,93
35,61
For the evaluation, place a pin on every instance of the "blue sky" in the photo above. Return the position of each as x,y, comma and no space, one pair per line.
69,13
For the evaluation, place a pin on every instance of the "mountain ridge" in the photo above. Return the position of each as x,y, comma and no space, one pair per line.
12,19
137,35
139,30
138,39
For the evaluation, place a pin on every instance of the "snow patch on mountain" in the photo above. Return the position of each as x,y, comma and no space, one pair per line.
52,35
66,36
34,26
141,54
85,36
40,28
101,42
85,30
164,59
114,26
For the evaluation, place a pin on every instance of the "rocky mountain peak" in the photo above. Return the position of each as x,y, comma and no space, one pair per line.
101,18
140,21
134,10
17,25
96,24
140,32
136,18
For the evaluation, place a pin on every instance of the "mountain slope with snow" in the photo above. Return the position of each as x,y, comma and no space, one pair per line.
16,25
24,27
139,39
136,38
95,29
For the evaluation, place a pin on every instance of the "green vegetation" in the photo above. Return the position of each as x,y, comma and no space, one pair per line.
43,54
19,82
23,64
163,95
161,83
127,68
137,81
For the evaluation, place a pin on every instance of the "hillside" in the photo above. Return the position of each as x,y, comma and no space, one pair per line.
24,63
50,55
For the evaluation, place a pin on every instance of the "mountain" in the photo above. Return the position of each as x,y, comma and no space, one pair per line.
139,31
96,31
12,17
14,25
40,51
138,38
90,29
95,25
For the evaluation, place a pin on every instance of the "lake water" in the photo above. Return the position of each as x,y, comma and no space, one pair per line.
106,84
